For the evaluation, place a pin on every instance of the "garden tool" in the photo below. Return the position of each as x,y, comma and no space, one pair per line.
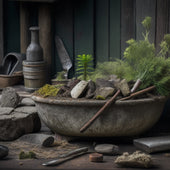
63,55
68,156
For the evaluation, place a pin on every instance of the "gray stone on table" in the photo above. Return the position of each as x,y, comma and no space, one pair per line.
27,102
107,149
18,123
79,89
38,138
134,160
9,98
104,92
3,151
6,110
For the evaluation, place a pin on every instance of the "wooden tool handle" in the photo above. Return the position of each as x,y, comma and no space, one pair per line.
107,104
138,93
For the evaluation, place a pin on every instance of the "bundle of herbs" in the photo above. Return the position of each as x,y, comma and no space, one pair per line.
141,63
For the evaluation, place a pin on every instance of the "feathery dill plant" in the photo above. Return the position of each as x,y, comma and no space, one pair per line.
84,66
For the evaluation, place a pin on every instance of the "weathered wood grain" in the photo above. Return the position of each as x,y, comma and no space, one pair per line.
24,27
84,27
63,27
102,30
114,36
45,33
1,33
127,22
145,8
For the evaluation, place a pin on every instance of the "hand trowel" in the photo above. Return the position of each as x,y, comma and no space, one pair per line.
63,55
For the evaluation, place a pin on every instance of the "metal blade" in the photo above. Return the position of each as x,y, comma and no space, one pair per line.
63,55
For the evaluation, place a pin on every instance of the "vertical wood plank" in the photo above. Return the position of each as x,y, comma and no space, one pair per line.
84,28
1,33
11,27
145,8
64,29
114,29
127,22
169,16
24,27
46,34
102,30
161,21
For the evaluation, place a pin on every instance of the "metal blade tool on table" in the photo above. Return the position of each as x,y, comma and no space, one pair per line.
70,155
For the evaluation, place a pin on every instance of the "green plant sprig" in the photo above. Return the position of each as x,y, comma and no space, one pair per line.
84,65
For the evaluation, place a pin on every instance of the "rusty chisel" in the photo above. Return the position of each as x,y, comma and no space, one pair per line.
67,156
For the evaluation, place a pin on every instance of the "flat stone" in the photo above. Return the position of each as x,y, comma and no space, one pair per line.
26,109
18,123
3,151
104,92
123,86
104,83
27,102
135,160
108,149
90,89
38,138
79,89
9,98
6,110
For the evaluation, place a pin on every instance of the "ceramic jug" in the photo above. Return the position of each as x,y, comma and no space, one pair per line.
34,51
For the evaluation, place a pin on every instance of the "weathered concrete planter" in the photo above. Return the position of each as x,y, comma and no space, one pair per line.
124,118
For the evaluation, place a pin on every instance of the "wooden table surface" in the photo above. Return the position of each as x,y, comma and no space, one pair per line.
161,161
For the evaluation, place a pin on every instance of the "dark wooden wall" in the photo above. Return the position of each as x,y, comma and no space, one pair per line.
1,32
97,27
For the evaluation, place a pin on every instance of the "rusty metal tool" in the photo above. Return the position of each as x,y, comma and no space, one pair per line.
68,156
63,55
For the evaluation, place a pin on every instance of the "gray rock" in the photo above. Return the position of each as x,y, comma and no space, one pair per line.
79,89
104,83
108,149
3,151
90,89
9,98
6,110
26,109
104,92
27,102
20,121
123,86
135,160
38,138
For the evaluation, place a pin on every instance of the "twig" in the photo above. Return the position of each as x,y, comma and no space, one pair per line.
138,93
106,105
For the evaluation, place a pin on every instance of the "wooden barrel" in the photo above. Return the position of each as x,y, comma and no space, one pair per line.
34,74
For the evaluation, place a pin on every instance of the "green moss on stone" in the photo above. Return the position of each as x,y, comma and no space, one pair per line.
99,97
48,90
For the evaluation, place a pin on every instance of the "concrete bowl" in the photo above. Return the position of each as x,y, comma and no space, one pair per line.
123,118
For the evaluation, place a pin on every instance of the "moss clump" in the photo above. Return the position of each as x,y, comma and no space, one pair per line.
29,155
99,97
48,90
